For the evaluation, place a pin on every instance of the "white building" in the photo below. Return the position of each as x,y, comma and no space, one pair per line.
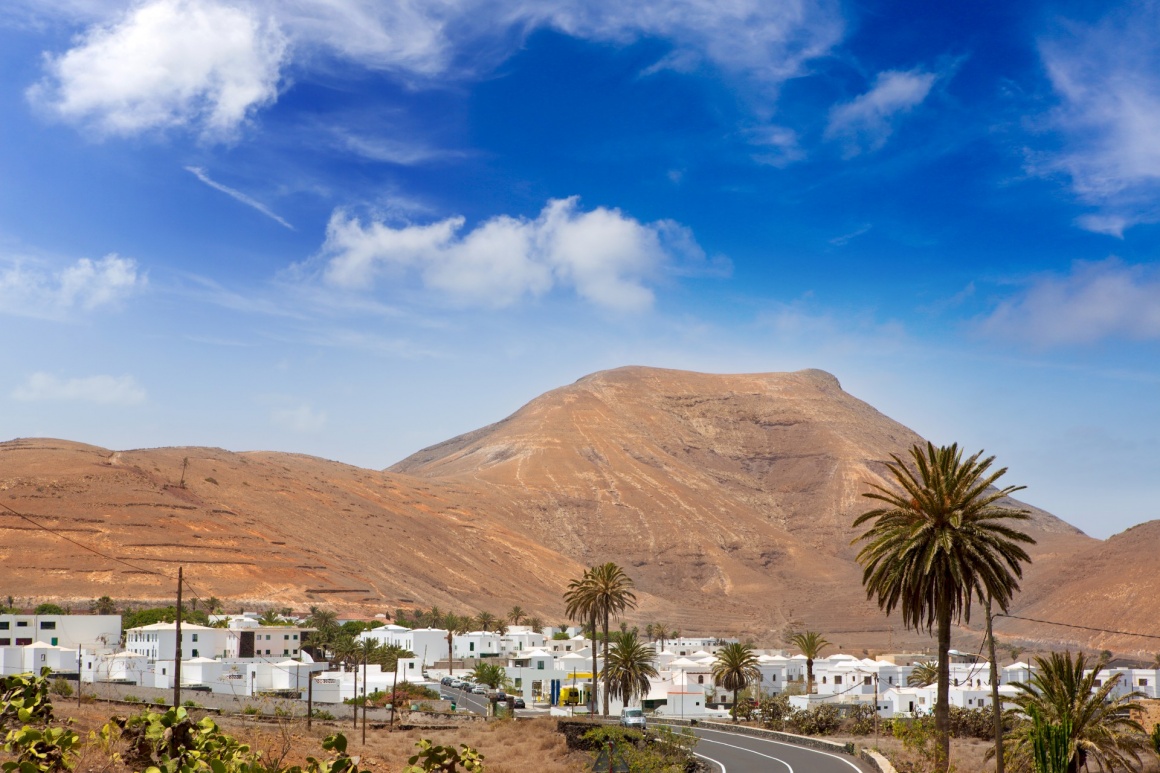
477,644
97,633
428,644
159,641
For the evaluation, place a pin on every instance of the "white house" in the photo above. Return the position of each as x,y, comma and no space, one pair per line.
97,633
159,641
122,667
477,644
428,644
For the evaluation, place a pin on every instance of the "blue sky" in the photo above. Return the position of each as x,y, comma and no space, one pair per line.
353,228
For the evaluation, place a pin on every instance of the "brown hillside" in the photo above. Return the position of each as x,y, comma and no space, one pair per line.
728,498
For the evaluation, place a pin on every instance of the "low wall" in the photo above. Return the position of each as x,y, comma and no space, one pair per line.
876,761
774,735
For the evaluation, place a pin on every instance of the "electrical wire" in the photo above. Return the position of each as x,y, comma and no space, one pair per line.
1081,627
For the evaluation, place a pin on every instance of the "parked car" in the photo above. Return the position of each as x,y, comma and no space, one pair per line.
479,689
446,681
518,703
633,718
457,684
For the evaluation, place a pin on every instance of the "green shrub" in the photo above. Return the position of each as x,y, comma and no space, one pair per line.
61,687
40,750
322,714
24,699
250,710
443,758
820,720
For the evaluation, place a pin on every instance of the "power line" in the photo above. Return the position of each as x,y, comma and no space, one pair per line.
1081,627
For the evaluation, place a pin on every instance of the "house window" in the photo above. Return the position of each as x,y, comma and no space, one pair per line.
773,677
52,641
163,672
267,652
891,680
285,652
823,680
5,642
837,679
471,647
865,680
701,679
21,623
23,642
1143,682
48,625
3,625
286,636
540,665
195,637
295,637
1098,682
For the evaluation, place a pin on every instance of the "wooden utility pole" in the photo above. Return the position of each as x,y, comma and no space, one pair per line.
364,722
354,702
395,693
310,700
995,704
177,657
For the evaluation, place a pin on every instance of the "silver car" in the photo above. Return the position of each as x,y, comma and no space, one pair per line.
632,718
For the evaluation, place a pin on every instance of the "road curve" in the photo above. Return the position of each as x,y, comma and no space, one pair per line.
736,753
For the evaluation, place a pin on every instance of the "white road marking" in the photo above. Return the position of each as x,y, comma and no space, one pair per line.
718,763
784,743
751,751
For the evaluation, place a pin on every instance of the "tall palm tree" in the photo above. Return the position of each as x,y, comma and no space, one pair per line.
581,606
941,540
517,615
923,674
536,624
628,668
611,591
1101,727
454,625
735,668
486,620
811,643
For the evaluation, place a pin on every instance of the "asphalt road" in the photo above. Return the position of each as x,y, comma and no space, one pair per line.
735,753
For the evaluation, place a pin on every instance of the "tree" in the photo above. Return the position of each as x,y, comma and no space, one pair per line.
271,617
581,606
1101,728
517,615
923,674
103,606
735,668
454,625
811,643
605,590
486,620
936,544
49,609
491,674
628,668
536,624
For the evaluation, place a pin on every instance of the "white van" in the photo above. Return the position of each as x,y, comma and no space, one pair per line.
633,718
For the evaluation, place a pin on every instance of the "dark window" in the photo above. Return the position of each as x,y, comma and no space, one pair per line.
23,642
195,653
48,625
837,679
21,623
3,625
865,680
52,641
5,642
195,637
1143,682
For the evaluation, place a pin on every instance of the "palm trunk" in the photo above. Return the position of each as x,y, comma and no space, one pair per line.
809,676
606,661
735,706
942,711
997,707
595,692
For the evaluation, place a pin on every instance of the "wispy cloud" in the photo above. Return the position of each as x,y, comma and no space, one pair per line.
233,193
865,123
103,390
29,289
1107,78
1094,302
299,418
846,238
606,257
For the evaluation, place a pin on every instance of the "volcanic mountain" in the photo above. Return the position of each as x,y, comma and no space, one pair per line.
728,498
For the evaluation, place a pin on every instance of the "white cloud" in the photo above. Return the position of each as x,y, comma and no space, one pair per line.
233,193
866,122
1096,301
606,257
103,390
85,285
1107,77
168,63
211,63
301,418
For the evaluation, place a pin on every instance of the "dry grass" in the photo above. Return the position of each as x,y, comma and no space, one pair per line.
508,746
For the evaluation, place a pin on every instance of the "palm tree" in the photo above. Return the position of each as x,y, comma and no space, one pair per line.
609,592
536,624
454,624
1101,727
326,630
735,668
104,606
517,615
486,620
811,643
271,617
940,541
628,668
923,674
581,606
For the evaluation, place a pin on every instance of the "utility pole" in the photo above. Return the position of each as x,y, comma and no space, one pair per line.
996,706
177,658
354,702
310,700
364,722
394,692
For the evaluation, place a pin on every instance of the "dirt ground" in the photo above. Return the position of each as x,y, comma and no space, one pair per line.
507,746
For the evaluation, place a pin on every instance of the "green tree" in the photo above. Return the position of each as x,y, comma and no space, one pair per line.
454,624
103,606
1101,728
923,674
628,668
49,609
271,617
536,624
581,606
607,591
486,620
940,541
491,674
811,643
516,615
735,668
